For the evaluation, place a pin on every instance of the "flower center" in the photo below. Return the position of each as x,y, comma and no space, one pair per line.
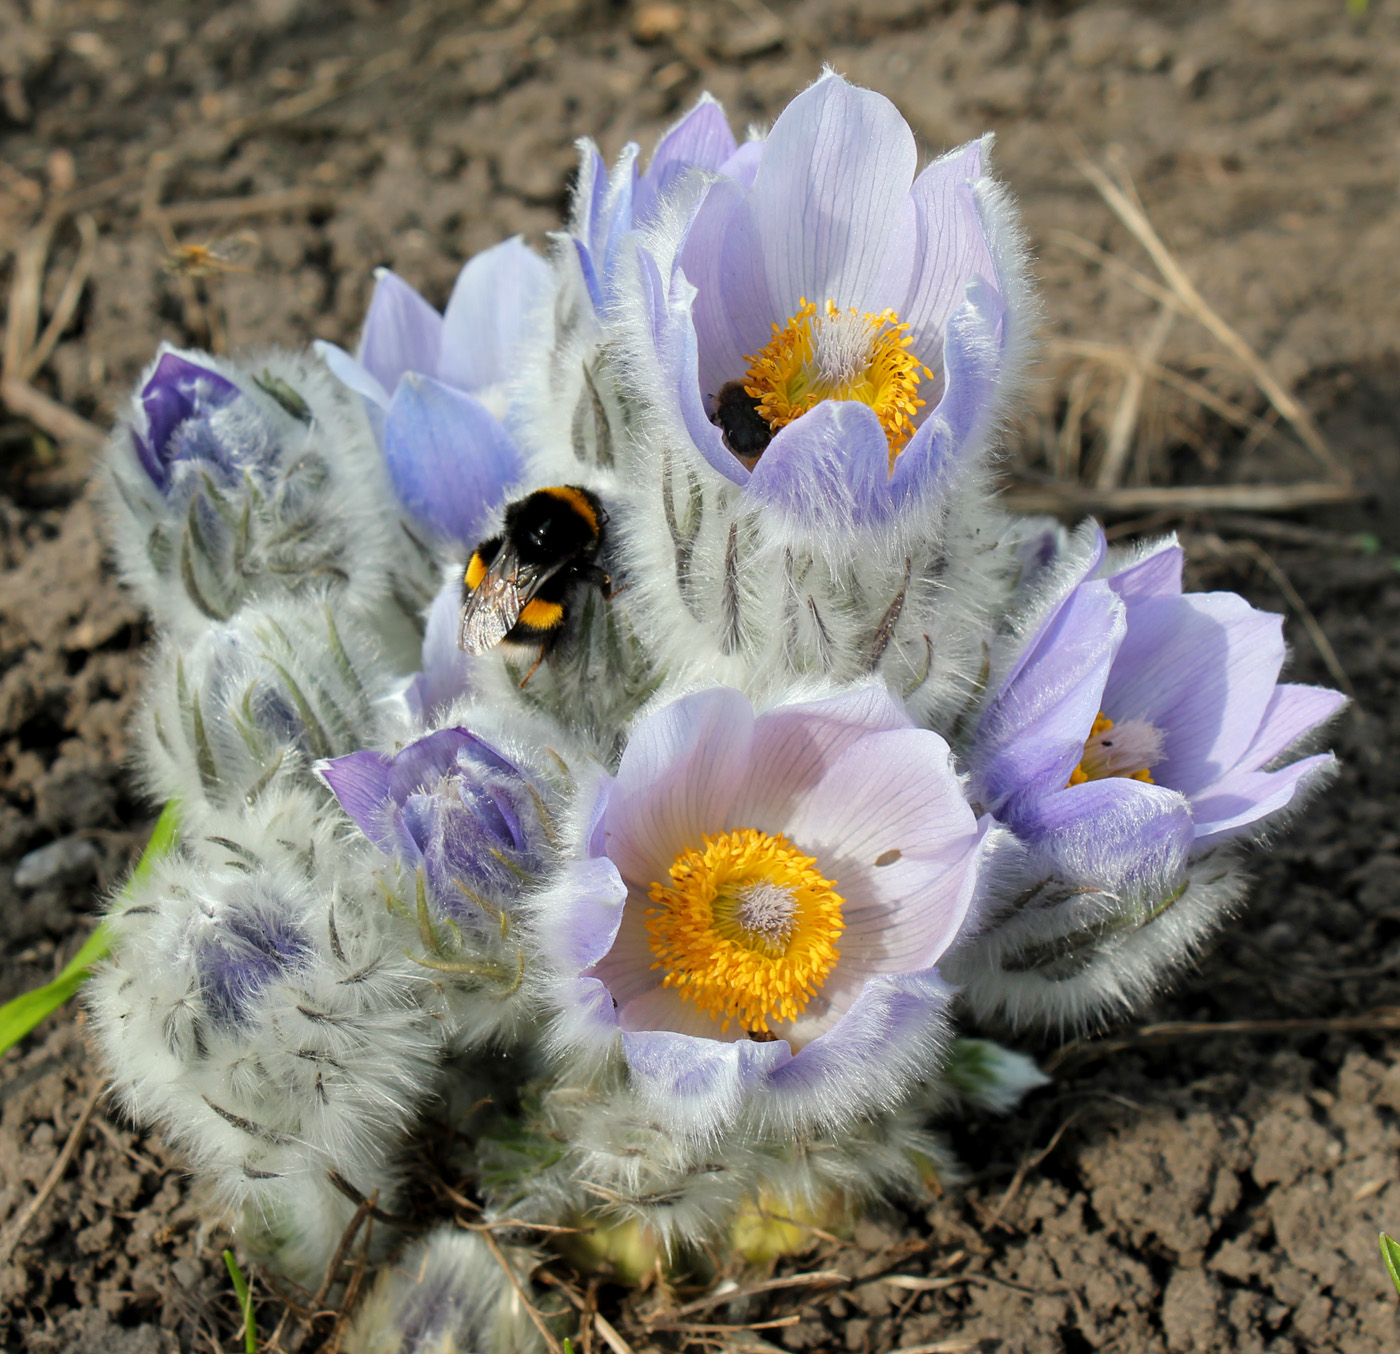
746,929
1127,748
839,355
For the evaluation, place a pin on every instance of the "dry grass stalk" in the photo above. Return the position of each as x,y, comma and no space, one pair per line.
1065,498
1121,198
1074,1055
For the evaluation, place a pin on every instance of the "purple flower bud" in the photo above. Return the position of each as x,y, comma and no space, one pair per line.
450,805
177,405
249,948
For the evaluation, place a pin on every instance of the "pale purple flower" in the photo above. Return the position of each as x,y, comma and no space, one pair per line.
435,385
848,785
180,419
449,805
828,210
1163,708
608,206
446,672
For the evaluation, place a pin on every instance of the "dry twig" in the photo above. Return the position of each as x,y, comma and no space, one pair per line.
1077,1053
1062,498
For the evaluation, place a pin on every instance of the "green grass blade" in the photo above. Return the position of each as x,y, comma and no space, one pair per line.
21,1015
245,1303
1390,1253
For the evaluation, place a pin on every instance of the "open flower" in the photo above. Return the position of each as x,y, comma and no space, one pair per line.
451,806
758,910
829,329
435,384
1140,725
189,414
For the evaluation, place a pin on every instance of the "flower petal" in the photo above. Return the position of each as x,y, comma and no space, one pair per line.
695,1085
402,332
1247,797
677,780
891,1035
1111,834
487,313
1032,736
449,458
360,781
351,373
794,745
1155,575
903,853
700,139
950,248
446,673
1201,668
1293,712
828,470
833,178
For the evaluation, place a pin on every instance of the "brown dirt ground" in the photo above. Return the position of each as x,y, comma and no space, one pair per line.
1196,1193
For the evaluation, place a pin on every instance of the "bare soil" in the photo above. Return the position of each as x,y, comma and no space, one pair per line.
1194,1192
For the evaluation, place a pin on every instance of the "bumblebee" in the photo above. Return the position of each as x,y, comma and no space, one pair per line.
518,585
745,431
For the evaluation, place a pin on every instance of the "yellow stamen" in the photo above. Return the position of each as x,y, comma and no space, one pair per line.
746,929
1136,741
839,355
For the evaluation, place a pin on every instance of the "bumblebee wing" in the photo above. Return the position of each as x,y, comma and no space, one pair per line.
494,605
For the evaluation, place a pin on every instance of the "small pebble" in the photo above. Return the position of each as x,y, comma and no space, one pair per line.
69,860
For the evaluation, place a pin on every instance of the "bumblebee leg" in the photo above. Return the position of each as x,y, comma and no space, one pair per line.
544,649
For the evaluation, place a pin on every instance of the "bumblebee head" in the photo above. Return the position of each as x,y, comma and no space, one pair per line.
554,524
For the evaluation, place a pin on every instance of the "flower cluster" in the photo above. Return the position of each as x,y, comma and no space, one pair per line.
797,751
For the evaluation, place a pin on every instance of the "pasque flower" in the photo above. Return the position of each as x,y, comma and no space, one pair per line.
1139,725
760,905
435,385
449,805
830,330
187,413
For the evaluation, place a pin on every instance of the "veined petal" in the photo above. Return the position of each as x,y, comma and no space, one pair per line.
402,332
829,469
950,248
698,1085
1201,668
700,139
795,745
678,779
486,315
449,458
972,364
1032,736
1155,575
721,353
818,221
1243,798
1293,712
360,780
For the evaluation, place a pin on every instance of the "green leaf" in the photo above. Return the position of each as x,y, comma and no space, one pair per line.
245,1303
21,1015
1390,1253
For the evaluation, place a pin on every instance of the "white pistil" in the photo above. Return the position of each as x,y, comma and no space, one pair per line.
842,344
1130,746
